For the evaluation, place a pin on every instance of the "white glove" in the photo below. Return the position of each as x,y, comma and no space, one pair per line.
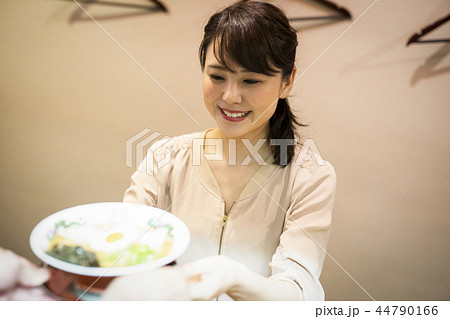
212,276
166,283
19,278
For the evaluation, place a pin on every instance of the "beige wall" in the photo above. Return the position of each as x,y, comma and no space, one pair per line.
378,111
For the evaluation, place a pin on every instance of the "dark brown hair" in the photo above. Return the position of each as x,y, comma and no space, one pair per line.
258,37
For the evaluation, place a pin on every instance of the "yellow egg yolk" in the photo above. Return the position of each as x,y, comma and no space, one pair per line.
114,237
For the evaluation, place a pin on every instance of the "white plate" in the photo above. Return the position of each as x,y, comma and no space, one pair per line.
123,213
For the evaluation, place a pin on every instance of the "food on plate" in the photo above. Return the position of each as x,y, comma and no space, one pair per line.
109,244
74,255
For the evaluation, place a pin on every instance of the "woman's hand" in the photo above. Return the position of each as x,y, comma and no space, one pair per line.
166,283
203,279
212,276
20,279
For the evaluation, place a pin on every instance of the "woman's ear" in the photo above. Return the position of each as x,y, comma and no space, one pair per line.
287,84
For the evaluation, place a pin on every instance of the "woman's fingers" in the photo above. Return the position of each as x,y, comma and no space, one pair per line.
9,269
17,275
166,283
203,265
211,276
16,270
30,275
200,276
202,290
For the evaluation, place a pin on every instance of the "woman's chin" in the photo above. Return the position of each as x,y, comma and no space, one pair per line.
227,132
236,132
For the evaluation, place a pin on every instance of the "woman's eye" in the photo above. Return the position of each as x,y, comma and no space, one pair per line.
216,77
252,81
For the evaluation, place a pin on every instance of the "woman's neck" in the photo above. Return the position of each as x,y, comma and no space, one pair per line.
236,150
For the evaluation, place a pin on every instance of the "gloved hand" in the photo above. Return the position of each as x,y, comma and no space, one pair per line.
20,279
166,283
212,276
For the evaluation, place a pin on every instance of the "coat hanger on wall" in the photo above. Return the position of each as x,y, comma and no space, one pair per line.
340,12
158,6
416,38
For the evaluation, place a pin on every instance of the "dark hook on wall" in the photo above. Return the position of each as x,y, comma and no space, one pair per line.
158,5
340,12
416,38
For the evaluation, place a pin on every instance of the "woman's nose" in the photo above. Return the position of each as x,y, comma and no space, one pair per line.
232,94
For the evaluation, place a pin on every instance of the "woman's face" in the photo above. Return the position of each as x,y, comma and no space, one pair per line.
241,103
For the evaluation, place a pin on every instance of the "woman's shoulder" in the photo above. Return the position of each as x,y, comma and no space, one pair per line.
310,175
308,162
175,145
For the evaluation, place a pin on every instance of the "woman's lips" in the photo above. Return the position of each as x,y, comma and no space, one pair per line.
233,116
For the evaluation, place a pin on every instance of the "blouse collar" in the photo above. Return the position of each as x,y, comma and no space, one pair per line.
208,180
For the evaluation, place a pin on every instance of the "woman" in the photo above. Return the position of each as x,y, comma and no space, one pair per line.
259,216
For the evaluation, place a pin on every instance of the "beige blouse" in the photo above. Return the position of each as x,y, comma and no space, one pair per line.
278,228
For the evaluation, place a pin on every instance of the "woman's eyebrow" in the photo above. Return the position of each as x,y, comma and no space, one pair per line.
218,67
223,68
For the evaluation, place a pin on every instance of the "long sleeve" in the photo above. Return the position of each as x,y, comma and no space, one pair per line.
149,179
301,251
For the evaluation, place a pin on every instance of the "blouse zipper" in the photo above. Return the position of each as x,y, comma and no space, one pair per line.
224,222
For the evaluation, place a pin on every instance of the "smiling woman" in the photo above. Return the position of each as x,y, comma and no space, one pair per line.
251,52
258,230
238,95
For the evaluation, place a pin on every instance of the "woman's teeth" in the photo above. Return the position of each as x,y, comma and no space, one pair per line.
229,114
